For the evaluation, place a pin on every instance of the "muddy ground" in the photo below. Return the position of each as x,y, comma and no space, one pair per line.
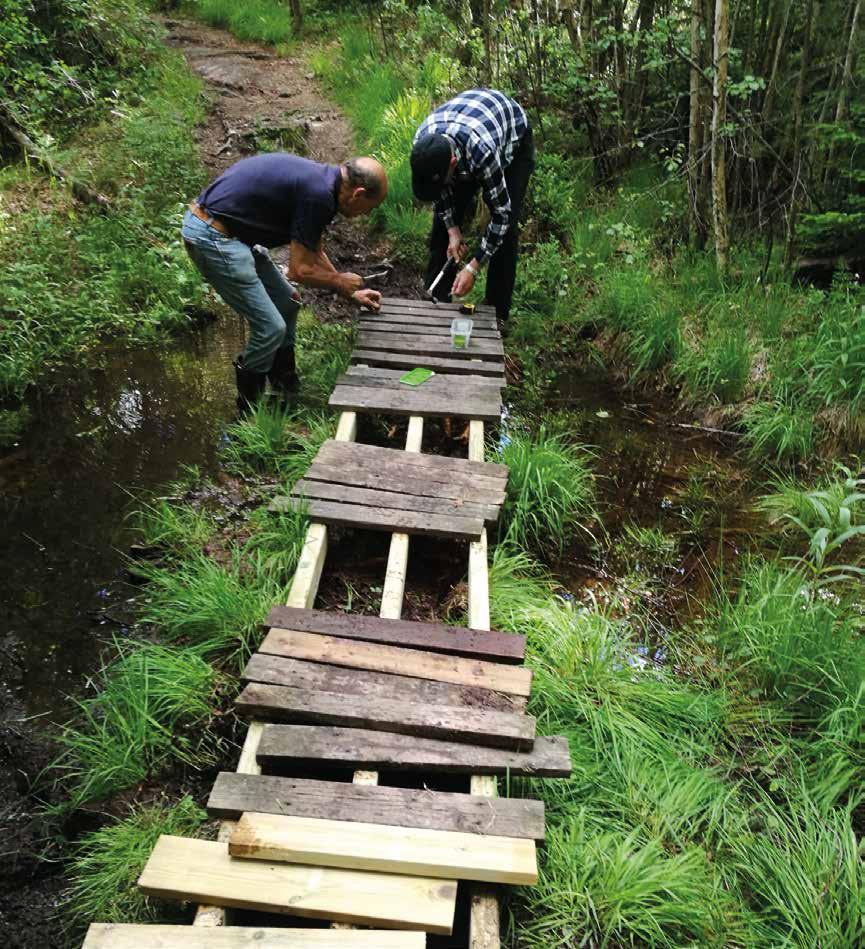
255,101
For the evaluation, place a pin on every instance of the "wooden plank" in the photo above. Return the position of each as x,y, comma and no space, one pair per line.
436,466
317,745
232,794
389,519
394,375
427,404
404,304
515,680
454,386
428,345
390,325
433,637
158,936
491,728
479,366
385,849
404,479
369,497
279,670
427,318
184,869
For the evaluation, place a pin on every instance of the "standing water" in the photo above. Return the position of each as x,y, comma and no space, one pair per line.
67,487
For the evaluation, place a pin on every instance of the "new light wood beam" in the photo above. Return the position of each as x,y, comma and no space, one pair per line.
302,594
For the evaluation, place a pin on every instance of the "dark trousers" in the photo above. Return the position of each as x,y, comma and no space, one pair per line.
503,264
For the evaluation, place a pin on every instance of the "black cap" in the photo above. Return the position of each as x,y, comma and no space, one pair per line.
430,162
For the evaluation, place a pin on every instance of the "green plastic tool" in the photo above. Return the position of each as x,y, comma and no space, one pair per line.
416,377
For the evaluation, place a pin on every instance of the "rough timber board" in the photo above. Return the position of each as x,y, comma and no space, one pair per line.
202,870
439,379
437,467
479,366
325,491
429,345
390,325
279,670
388,519
316,745
233,794
427,404
385,849
428,318
314,647
478,726
131,936
433,637
403,303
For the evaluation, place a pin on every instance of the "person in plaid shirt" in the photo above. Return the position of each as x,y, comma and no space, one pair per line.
479,140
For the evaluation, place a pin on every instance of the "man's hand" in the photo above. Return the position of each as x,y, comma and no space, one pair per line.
350,283
465,280
370,299
456,245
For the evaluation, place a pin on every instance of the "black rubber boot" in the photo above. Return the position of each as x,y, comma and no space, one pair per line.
250,386
283,372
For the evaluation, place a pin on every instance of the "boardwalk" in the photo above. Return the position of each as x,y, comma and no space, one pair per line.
330,693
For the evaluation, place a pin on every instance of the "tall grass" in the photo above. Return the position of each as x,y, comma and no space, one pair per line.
148,711
107,863
551,491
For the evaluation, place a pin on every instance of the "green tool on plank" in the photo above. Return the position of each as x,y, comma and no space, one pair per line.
416,377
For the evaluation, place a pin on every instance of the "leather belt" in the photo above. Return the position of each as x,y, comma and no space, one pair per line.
202,215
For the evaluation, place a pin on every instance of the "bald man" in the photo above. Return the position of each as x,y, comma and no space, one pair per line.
264,202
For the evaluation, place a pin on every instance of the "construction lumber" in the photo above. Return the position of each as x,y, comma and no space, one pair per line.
390,324
428,345
435,467
279,670
478,726
384,849
233,794
132,936
387,519
474,366
371,497
433,637
315,745
185,869
314,647
426,403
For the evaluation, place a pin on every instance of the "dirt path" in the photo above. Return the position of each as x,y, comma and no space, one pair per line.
255,96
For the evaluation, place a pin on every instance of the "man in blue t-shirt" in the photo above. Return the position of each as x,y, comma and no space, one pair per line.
267,201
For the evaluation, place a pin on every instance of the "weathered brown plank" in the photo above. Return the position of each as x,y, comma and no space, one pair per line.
426,404
388,519
233,794
315,647
449,467
160,936
384,849
389,325
492,645
281,670
427,318
428,345
403,479
453,723
327,491
385,751
477,365
202,871
440,378
476,385
406,304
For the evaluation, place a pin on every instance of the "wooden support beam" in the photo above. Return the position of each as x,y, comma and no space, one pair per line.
133,936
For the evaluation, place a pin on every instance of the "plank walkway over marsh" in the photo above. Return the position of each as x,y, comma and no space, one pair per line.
331,694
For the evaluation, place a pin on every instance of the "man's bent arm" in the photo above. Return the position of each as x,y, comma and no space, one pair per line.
314,269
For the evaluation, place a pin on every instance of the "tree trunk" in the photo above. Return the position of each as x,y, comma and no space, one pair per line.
769,99
296,16
719,118
697,224
847,74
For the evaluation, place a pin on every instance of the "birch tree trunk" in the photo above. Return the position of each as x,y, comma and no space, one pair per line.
847,74
697,226
719,118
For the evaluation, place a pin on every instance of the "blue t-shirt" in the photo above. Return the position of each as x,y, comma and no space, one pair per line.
274,199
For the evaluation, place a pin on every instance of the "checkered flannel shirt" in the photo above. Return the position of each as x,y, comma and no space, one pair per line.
486,128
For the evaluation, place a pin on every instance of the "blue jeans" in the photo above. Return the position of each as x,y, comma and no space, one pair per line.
250,283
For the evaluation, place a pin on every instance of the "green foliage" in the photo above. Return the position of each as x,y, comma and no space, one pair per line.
720,367
148,712
645,550
212,607
262,20
278,539
551,491
107,863
779,430
178,529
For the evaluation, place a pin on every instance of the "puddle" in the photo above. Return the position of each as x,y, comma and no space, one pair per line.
66,491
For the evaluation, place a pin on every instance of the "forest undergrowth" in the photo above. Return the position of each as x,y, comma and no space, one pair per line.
718,748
